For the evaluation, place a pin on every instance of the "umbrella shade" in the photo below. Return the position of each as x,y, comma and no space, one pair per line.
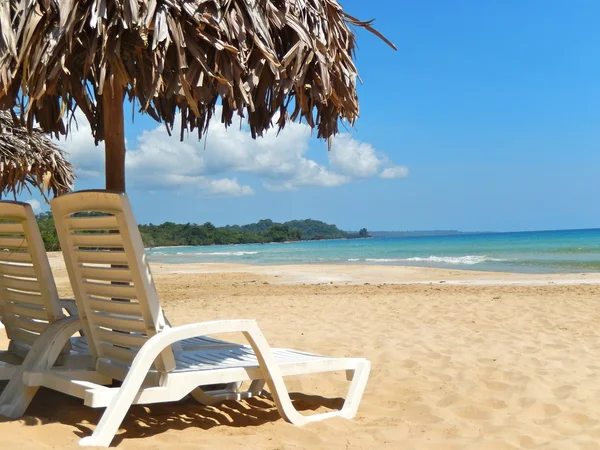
31,160
259,58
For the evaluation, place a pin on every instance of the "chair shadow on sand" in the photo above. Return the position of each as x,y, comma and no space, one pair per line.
149,420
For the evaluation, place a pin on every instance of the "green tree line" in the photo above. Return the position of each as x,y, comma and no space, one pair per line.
169,233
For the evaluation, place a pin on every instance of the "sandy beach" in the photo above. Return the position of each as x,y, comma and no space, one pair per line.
461,360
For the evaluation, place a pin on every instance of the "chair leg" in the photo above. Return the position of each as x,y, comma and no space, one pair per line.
230,392
44,352
272,376
353,397
256,387
356,390
119,406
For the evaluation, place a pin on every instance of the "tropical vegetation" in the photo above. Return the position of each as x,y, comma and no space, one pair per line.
263,231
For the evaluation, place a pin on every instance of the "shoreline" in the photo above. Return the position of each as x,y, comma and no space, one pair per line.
378,274
355,274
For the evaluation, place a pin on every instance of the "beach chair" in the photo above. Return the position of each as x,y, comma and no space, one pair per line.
129,340
29,301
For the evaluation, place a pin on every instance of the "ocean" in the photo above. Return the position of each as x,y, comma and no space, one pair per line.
563,251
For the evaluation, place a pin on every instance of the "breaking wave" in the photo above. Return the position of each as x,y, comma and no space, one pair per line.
458,260
217,253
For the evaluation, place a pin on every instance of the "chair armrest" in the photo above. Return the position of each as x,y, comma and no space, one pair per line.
163,340
70,305
169,336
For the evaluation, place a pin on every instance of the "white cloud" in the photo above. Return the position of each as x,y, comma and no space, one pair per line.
279,160
228,187
158,161
219,187
83,153
354,158
35,205
394,172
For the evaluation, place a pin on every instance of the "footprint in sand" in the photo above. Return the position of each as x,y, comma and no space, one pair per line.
573,423
409,363
542,411
472,413
420,414
527,442
448,400
525,402
564,391
434,355
497,386
557,346
497,404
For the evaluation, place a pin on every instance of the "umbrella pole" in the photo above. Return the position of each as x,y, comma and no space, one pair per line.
114,146
114,136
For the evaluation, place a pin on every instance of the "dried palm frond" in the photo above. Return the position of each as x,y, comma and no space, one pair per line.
257,57
31,159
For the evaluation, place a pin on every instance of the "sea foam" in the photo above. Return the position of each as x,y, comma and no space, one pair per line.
217,253
464,260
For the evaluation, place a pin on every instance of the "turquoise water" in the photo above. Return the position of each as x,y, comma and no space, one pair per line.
564,251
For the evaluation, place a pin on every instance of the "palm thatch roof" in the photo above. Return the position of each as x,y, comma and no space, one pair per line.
31,160
291,59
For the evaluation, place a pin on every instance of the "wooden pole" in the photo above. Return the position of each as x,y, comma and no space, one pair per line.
114,146
114,136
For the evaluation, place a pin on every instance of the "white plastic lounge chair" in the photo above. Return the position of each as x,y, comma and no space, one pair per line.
29,301
30,307
130,341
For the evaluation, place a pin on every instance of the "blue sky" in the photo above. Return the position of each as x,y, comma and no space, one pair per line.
486,118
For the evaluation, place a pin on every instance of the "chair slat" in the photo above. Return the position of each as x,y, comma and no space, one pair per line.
100,257
17,270
124,339
27,324
92,223
20,335
20,284
11,228
115,307
26,298
17,257
110,290
107,240
105,273
121,355
27,312
13,242
117,323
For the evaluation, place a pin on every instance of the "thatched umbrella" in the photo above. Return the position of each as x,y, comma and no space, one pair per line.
257,57
31,159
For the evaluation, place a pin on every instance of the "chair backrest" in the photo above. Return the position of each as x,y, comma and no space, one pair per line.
110,275
29,300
